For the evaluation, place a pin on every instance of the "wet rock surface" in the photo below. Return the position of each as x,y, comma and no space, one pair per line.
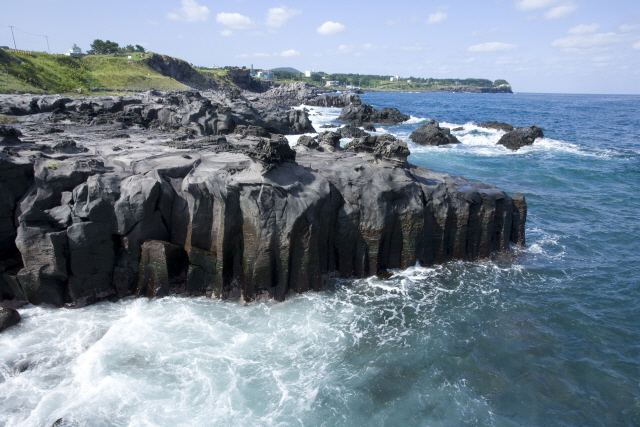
431,133
204,196
520,137
8,318
496,125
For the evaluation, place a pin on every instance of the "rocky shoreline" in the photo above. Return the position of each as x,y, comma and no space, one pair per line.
199,193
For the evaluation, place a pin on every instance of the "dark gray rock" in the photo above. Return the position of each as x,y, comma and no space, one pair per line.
91,259
236,216
458,129
163,269
384,146
351,131
334,101
272,152
432,134
246,131
16,178
496,125
201,275
520,137
9,134
363,113
8,318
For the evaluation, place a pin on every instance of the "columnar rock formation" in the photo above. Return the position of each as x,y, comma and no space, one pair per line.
166,206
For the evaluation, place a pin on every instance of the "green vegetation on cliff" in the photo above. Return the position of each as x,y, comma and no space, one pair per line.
41,72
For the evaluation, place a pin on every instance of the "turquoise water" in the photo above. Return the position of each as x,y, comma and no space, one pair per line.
546,335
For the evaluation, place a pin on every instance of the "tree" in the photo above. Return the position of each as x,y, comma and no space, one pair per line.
100,47
97,47
129,49
140,49
316,77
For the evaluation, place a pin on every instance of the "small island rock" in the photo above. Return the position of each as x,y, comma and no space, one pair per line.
520,137
432,134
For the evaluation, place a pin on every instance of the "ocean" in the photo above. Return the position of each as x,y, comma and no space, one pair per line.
548,334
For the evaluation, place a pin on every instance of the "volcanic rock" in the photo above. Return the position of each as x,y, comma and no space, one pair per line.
8,318
235,216
496,125
432,134
351,131
520,137
361,113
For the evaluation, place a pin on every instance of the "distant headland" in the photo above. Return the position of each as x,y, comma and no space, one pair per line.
131,70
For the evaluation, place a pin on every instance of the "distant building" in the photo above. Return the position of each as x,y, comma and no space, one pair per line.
409,81
333,83
266,75
309,73
394,79
74,51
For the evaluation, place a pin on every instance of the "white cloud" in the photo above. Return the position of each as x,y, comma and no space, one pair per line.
587,43
584,29
343,48
234,20
226,33
491,47
625,28
534,4
393,22
278,16
291,52
330,28
561,11
636,45
369,46
469,59
436,18
190,12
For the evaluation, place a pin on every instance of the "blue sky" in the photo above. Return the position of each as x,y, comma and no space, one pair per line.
558,46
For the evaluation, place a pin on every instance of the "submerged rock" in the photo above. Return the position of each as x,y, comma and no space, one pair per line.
432,134
496,125
520,137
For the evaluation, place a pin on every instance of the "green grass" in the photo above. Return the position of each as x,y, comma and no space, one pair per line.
62,74
7,120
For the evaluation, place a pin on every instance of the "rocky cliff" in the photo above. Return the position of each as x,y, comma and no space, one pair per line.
198,194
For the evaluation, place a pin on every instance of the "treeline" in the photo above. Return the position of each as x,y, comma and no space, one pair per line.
99,47
368,80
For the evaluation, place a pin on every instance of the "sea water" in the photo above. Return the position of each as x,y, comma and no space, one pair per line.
545,335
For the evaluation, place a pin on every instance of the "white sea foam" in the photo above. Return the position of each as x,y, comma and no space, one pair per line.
181,361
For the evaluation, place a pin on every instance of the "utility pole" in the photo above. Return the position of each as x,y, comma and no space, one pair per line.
14,38
48,45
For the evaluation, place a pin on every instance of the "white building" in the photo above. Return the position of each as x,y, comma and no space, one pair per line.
333,83
308,73
394,79
266,74
74,51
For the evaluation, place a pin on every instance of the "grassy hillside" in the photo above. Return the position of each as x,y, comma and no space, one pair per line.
60,74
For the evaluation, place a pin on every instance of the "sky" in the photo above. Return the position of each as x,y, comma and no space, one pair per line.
544,46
